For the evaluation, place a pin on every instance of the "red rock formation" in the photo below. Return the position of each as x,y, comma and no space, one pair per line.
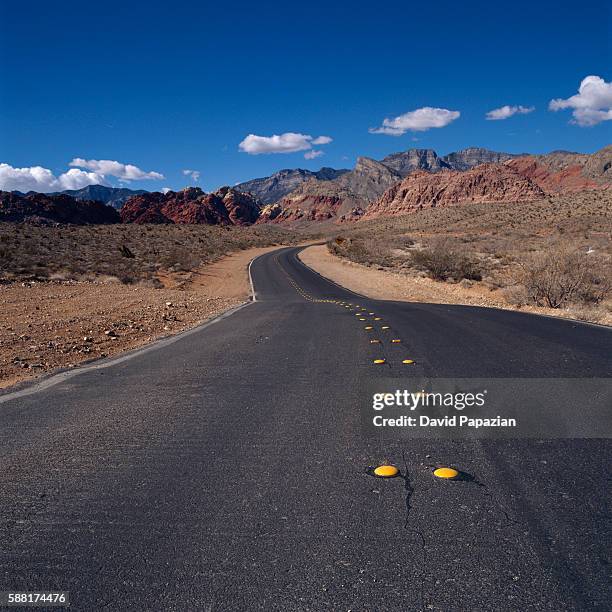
192,206
570,178
304,208
46,209
485,183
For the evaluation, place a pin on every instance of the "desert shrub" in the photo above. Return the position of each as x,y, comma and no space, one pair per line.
377,251
562,275
353,249
126,252
97,251
516,295
590,312
181,259
126,279
444,260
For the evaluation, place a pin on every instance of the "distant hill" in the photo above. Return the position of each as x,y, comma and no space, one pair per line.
272,188
414,159
49,209
349,195
563,171
505,177
345,196
226,206
113,196
475,156
483,183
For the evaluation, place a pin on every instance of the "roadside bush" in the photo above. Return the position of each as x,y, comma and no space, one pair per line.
563,275
122,251
180,260
375,251
444,260
362,251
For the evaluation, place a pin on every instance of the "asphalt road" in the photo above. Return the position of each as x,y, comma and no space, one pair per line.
227,470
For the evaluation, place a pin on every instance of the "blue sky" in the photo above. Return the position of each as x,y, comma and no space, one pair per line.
174,86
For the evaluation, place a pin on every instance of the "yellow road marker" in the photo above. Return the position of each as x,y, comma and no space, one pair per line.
386,471
446,472
374,341
361,319
379,361
385,327
408,361
378,318
368,327
396,341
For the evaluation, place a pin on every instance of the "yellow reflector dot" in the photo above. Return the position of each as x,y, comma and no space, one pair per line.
379,361
361,319
368,327
396,341
378,318
446,472
385,327
374,341
408,361
386,471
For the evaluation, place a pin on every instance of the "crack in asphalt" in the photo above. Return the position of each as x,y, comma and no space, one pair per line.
410,490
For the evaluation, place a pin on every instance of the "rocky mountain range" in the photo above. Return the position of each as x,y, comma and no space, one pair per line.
344,197
475,156
400,183
113,196
48,209
347,196
351,195
272,188
484,183
226,206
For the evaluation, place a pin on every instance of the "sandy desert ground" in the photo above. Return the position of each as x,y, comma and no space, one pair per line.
388,285
58,324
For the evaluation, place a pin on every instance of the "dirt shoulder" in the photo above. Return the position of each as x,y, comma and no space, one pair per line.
387,285
59,324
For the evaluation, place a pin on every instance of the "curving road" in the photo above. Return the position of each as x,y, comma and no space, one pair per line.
226,469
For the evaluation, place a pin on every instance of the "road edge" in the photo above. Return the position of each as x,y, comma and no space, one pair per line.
34,386
535,314
30,387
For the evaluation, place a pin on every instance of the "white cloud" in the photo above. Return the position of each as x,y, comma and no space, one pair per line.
107,167
37,178
194,174
591,105
289,142
312,154
497,114
417,120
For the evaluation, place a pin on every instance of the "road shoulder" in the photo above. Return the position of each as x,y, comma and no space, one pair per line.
387,285
52,326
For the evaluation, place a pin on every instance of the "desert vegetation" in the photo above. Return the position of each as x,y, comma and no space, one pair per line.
130,253
554,253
